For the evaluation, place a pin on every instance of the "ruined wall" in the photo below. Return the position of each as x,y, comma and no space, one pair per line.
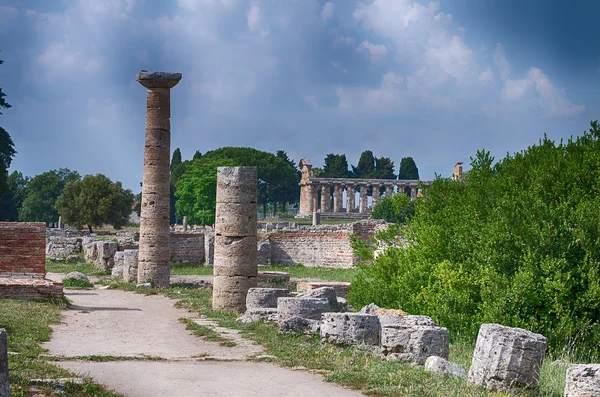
327,246
187,248
22,250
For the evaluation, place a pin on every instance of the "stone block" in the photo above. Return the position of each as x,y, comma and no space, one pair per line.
4,385
119,259
308,308
265,315
236,185
440,365
263,253
348,329
507,358
414,343
262,298
89,252
235,256
76,276
327,293
390,317
235,220
230,292
105,255
341,287
582,381
130,265
299,325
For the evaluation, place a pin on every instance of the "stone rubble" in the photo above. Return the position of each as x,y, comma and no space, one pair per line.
583,380
414,343
119,263
105,252
76,276
440,365
348,329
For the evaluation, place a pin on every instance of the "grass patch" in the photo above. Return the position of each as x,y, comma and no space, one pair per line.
295,271
206,332
77,284
79,266
353,367
27,325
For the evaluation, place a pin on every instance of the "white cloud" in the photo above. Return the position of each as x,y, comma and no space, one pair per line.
375,51
452,55
254,18
487,75
327,11
343,40
552,99
515,89
195,5
504,68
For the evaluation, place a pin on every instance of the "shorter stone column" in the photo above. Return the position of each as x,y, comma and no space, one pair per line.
315,198
583,380
350,204
389,191
325,198
185,224
316,219
363,199
376,195
413,192
235,266
337,198
60,223
4,386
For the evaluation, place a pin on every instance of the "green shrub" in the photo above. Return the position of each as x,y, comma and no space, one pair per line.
396,209
516,242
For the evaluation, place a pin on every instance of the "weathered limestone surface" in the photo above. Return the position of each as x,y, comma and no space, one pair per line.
76,276
263,252
62,246
119,259
130,265
442,366
583,381
209,248
105,253
414,343
235,266
4,385
308,308
325,198
341,288
507,358
262,298
348,329
154,251
327,293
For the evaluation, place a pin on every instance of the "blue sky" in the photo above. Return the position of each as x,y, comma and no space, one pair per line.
431,80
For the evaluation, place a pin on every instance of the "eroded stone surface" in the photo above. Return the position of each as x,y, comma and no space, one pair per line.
130,265
507,358
119,259
327,293
260,298
309,308
414,343
299,325
583,381
105,252
440,365
229,293
348,329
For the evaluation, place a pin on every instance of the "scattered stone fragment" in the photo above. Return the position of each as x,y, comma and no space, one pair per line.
507,358
299,325
371,308
76,276
308,308
119,259
105,252
265,315
414,343
327,293
144,286
349,329
265,297
440,365
583,381
130,265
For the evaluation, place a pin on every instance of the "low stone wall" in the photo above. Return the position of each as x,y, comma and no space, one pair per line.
22,249
187,248
326,245
30,288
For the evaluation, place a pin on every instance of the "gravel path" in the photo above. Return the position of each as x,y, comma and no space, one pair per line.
124,324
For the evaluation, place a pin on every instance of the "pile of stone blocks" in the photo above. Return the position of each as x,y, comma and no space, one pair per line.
59,246
261,304
100,254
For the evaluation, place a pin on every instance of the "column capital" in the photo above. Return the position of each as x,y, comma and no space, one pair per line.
158,79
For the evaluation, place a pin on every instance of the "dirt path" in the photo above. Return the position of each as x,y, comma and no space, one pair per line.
125,324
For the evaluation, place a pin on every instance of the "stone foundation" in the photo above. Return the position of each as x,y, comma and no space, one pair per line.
30,288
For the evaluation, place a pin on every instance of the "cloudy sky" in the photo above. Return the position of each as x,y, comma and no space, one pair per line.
432,80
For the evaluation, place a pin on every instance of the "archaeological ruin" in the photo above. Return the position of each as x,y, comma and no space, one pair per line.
154,252
315,193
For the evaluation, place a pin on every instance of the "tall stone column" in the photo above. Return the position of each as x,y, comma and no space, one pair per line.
389,191
235,266
350,204
376,194
154,251
325,198
338,194
306,200
363,199
315,198
185,223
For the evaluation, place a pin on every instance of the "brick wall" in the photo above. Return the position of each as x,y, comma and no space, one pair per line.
327,246
22,249
187,248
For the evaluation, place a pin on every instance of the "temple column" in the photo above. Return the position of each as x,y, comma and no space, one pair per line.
337,198
350,204
413,192
315,198
376,195
389,191
325,198
155,238
363,199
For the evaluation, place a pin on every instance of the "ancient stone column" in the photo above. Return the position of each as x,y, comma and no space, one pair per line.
375,195
235,266
337,198
389,191
413,192
315,198
325,198
4,386
363,199
60,223
306,193
185,223
316,221
154,251
350,204
306,200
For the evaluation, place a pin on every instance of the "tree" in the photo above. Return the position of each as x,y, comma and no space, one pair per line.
384,168
94,201
288,193
366,166
176,159
408,169
42,192
396,209
197,155
7,150
317,172
11,202
336,166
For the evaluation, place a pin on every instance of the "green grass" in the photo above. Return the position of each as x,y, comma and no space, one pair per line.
353,368
27,325
77,284
295,271
79,266
206,332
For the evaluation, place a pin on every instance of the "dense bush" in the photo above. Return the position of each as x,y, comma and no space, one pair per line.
516,243
396,209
